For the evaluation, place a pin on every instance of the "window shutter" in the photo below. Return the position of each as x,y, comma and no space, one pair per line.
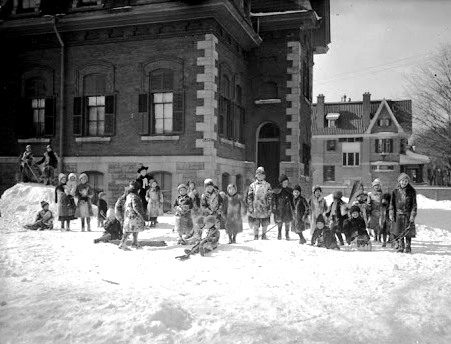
110,115
377,146
391,145
78,116
178,111
143,110
49,116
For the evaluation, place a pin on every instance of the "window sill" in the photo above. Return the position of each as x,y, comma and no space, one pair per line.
93,139
161,138
34,140
351,166
267,101
232,143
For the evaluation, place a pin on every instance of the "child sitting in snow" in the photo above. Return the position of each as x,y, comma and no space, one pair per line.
323,236
113,228
44,219
356,227
102,207
195,235
210,242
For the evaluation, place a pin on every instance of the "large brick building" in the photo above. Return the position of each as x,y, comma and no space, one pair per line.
189,88
363,140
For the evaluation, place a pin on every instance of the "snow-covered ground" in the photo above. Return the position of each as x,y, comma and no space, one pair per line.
58,287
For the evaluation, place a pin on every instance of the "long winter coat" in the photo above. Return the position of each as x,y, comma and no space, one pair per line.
317,207
84,194
154,198
234,210
403,209
282,205
374,209
211,203
336,215
134,214
65,202
183,220
259,199
300,211
119,208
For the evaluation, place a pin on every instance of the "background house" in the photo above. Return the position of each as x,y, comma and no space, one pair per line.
190,89
363,140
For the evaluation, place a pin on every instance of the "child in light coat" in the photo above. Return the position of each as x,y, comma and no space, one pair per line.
43,220
154,198
182,208
234,210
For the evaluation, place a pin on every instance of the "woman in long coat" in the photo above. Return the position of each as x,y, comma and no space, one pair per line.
65,202
403,210
134,216
84,193
234,210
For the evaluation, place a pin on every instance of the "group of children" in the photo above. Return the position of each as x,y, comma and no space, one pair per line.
383,214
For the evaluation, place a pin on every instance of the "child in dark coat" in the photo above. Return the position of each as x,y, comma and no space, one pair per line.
356,226
300,213
113,228
337,215
323,236
282,207
43,220
101,210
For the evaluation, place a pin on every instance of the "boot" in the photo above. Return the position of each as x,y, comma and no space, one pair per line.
88,222
264,236
302,240
230,239
279,235
401,245
256,237
408,245
234,239
287,234
82,225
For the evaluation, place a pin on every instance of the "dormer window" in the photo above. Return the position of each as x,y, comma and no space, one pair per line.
384,122
332,119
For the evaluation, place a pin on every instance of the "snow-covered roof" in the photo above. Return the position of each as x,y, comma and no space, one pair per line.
333,115
412,158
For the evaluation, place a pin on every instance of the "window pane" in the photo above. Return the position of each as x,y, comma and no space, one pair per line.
92,101
159,126
357,159
101,127
41,103
35,116
92,128
159,110
168,125
344,159
158,98
101,113
350,159
100,100
168,110
92,113
167,97
34,103
41,115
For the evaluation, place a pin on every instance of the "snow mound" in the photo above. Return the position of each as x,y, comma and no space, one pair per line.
426,203
330,198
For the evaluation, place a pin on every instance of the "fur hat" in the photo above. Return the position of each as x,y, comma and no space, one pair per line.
83,175
282,178
182,186
210,221
133,186
44,203
316,187
298,188
376,181
260,170
72,175
61,176
338,194
403,176
355,208
208,182
320,218
102,194
142,168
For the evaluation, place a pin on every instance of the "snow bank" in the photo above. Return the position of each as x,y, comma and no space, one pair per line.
329,199
427,203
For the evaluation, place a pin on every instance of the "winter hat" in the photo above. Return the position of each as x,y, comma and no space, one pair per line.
72,175
102,194
282,178
317,187
355,208
134,186
83,175
44,203
376,181
181,186
260,170
142,168
320,218
208,182
338,194
297,187
231,186
403,176
210,221
61,176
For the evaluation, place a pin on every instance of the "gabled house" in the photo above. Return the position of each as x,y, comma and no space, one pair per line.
363,140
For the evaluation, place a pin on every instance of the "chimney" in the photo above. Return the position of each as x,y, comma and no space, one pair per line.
320,115
366,109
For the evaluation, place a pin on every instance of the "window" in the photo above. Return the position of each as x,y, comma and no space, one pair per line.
224,126
331,145
30,4
331,123
329,173
351,159
164,180
38,106
268,90
162,110
384,122
384,146
350,139
225,181
94,113
383,168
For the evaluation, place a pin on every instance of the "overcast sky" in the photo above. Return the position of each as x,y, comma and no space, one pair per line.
375,43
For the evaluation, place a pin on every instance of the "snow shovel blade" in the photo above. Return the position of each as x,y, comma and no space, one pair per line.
184,257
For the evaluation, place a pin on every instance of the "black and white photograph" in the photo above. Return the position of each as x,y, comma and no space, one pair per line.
225,171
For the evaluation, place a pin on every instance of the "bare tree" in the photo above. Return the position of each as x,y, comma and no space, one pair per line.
430,89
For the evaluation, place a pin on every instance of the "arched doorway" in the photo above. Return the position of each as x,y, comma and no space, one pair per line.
268,150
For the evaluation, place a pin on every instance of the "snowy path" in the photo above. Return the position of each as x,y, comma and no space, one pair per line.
61,288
